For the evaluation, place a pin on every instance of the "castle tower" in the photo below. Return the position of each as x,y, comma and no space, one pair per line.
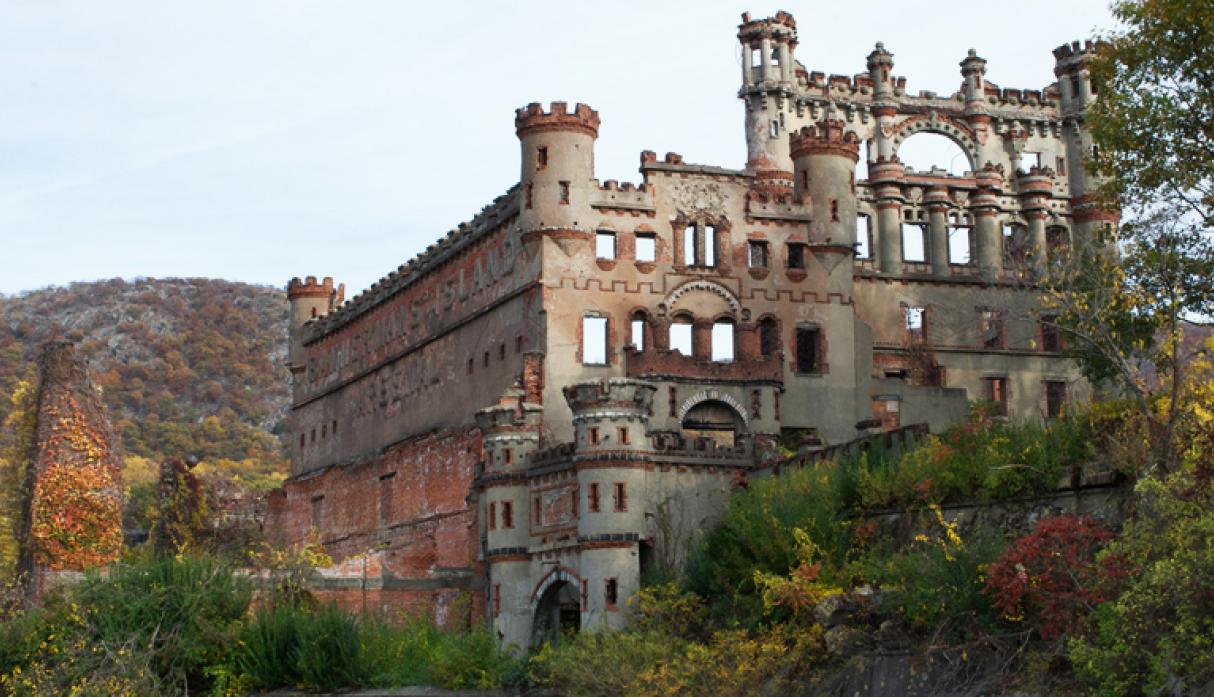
973,89
768,82
1075,87
308,301
510,434
881,70
557,165
824,162
610,419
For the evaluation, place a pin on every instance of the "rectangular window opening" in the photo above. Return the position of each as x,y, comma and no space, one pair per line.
564,187
507,514
995,391
807,349
1055,398
594,341
541,157
757,255
621,435
992,329
492,515
864,235
914,323
646,247
710,246
611,593
1051,335
914,243
680,338
796,255
689,246
592,497
604,245
592,435
620,496
959,245
722,342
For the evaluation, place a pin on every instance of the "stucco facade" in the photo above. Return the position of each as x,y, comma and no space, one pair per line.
567,386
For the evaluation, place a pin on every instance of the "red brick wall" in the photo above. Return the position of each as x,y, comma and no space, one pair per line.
422,531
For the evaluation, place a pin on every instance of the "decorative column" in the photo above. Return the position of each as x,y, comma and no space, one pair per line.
1035,188
701,339
937,208
988,241
886,177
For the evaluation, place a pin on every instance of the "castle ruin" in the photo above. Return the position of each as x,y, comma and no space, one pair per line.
557,395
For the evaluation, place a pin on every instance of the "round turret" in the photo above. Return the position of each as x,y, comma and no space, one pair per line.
510,433
308,300
769,77
881,69
824,161
557,164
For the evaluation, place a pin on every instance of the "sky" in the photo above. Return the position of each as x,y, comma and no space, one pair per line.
256,140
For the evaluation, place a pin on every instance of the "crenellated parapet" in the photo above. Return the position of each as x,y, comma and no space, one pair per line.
601,399
1073,57
510,430
308,287
532,119
828,137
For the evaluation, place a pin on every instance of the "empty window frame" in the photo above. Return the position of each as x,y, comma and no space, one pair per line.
594,340
1055,239
915,326
1055,398
864,237
807,349
796,255
507,515
604,244
990,326
1051,334
564,189
722,342
493,515
1029,160
636,330
619,497
592,497
994,390
774,129
689,246
769,336
680,336
756,255
710,245
756,58
914,243
959,245
611,593
646,247
541,157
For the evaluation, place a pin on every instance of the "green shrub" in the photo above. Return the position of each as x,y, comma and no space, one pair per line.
602,664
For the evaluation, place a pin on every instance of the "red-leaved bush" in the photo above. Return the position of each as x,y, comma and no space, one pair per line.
1051,577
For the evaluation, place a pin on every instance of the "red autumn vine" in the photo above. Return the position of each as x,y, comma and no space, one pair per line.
76,509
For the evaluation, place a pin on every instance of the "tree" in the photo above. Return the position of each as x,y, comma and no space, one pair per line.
1153,120
1125,301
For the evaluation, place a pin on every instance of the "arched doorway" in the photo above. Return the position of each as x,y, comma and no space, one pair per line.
715,420
558,611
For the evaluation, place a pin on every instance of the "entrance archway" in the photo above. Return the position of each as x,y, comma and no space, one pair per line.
716,420
558,610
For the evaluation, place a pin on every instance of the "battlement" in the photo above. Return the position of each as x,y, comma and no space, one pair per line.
609,397
533,119
783,26
1070,57
829,137
310,288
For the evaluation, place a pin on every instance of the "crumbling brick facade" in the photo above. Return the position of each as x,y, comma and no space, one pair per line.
561,392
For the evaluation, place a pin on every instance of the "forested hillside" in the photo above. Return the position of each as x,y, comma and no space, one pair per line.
187,367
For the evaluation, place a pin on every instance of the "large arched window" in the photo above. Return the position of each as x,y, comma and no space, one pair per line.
923,151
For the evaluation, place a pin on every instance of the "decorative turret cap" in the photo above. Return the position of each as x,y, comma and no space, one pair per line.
973,63
532,119
829,137
880,58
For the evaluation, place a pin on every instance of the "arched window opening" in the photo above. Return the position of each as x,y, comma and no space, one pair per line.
636,331
769,336
722,342
923,152
680,335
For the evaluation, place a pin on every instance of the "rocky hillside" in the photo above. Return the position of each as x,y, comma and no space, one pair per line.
186,366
